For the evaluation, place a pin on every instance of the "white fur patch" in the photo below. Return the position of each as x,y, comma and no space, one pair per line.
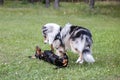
88,58
52,31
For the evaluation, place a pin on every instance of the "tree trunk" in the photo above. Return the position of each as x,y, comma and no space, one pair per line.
86,1
56,4
91,3
47,3
1,2
32,1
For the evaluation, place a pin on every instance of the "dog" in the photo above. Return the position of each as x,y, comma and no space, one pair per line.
70,37
50,57
49,32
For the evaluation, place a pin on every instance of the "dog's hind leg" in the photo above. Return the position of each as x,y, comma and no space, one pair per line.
79,51
80,58
77,46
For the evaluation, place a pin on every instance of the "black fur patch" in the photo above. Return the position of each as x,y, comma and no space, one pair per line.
44,29
60,28
72,28
82,31
58,37
88,40
86,50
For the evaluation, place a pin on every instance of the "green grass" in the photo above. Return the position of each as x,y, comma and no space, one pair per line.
20,32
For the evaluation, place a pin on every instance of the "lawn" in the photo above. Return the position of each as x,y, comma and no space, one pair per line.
20,32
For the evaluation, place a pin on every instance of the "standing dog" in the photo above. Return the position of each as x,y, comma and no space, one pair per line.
75,38
50,57
49,32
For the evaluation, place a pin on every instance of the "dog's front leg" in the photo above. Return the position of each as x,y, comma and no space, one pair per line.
80,58
52,48
32,57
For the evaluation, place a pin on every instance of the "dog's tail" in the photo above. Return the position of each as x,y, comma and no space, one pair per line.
87,52
87,56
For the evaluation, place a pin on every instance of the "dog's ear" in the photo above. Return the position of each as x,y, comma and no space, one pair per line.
38,50
37,47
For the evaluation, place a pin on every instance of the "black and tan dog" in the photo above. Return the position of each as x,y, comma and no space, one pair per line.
50,57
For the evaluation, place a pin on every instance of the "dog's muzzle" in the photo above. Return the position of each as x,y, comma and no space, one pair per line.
46,41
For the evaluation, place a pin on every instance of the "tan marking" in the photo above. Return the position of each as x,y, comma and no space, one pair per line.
65,62
80,54
52,48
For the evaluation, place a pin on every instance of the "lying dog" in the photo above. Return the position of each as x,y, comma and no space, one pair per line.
50,57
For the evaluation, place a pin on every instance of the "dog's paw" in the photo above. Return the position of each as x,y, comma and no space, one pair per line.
80,61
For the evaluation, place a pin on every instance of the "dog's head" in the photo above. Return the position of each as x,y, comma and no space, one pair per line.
45,34
58,45
38,52
49,31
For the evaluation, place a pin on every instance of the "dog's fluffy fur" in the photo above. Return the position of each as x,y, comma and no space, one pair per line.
75,38
49,32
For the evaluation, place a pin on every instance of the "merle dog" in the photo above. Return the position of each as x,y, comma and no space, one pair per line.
70,37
